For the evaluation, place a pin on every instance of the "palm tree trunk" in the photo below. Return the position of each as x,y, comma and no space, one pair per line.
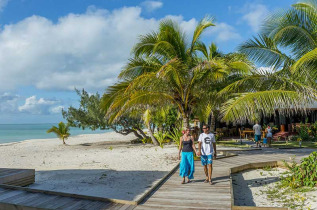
213,122
154,140
142,133
64,141
185,122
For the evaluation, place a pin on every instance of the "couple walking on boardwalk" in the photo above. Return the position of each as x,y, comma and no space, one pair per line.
206,151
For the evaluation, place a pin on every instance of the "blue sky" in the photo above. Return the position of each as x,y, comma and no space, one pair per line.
50,47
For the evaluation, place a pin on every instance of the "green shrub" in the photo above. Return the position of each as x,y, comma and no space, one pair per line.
293,138
219,136
304,132
175,135
160,136
304,174
147,140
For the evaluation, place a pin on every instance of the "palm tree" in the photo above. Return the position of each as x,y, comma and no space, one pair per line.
287,45
62,131
166,69
230,68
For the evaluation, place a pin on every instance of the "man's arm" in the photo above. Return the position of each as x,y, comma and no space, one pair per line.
215,149
199,148
214,145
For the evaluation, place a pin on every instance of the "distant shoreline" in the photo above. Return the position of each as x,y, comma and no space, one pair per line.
39,139
13,133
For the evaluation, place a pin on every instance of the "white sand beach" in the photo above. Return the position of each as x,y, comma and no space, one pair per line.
251,189
104,165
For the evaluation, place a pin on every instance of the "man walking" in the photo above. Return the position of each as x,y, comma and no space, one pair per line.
257,134
206,151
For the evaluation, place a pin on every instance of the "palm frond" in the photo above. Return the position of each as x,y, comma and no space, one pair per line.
202,25
263,50
305,61
138,66
294,29
250,105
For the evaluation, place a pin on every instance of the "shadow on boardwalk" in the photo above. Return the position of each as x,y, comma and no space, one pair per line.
123,185
198,195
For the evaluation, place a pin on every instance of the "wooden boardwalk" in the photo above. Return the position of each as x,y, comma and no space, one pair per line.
169,195
13,197
199,195
24,199
17,177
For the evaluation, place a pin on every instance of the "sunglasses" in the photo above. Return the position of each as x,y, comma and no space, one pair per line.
204,128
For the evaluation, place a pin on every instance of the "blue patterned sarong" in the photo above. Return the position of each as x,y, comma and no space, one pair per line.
187,165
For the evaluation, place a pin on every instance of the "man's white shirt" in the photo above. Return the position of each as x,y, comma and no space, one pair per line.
257,129
206,143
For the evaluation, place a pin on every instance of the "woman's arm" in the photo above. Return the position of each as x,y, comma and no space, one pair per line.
193,145
180,147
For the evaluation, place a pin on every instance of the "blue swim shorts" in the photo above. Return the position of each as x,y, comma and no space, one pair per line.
206,159
257,138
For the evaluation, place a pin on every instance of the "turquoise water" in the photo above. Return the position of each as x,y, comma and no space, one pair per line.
20,132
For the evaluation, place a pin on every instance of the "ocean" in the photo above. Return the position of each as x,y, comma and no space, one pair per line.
19,132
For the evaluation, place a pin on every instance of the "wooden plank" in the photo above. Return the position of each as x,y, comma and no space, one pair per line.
2,190
75,202
182,206
37,201
46,201
59,202
9,194
15,198
96,205
127,207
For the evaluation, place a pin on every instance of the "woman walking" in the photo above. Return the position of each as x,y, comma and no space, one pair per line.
269,135
186,147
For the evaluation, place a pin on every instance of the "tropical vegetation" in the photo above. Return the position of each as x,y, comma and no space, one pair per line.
287,47
166,70
62,131
90,115
170,79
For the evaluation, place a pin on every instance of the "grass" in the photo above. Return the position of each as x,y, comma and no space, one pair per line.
232,143
294,144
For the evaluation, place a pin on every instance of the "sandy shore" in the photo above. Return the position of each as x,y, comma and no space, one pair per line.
105,165
251,188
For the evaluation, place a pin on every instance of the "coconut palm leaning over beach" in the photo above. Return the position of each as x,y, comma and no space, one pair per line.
288,46
166,69
62,131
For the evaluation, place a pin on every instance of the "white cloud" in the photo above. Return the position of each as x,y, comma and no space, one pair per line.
56,109
8,103
254,15
38,106
3,3
224,32
79,50
150,6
